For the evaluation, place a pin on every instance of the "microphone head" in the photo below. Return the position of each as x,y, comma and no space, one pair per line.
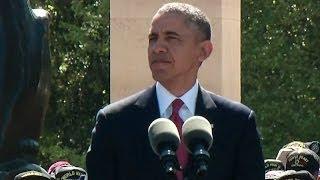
163,132
197,130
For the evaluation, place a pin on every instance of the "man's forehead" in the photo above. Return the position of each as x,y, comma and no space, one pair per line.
167,22
167,17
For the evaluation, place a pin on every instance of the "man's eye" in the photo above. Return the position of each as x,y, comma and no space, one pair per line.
172,37
152,39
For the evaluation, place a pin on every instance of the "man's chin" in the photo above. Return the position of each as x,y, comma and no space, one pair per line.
155,77
158,77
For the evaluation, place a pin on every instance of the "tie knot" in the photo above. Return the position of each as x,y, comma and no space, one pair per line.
176,105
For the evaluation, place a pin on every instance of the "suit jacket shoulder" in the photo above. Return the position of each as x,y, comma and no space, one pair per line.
129,114
225,106
119,147
122,104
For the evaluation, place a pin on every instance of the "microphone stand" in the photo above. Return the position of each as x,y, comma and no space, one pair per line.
170,163
201,159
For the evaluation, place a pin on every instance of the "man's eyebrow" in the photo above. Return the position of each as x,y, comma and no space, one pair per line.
172,33
167,33
152,34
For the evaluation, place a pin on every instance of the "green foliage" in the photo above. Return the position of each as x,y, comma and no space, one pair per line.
280,69
79,45
52,150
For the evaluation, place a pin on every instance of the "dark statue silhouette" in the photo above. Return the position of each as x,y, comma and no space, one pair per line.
24,81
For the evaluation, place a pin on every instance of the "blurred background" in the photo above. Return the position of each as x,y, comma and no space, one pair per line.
280,65
79,45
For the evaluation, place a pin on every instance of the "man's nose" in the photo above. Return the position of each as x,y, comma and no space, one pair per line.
160,47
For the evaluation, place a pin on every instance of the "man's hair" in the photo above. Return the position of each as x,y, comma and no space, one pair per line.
192,14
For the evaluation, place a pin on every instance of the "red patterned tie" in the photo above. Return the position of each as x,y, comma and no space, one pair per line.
182,151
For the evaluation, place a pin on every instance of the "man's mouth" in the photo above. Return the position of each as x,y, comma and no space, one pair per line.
161,62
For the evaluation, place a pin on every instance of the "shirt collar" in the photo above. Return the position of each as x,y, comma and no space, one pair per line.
165,98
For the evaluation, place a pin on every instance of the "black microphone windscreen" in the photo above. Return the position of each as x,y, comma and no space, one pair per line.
161,132
195,130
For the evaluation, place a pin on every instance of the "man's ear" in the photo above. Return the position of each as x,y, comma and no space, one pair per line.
205,50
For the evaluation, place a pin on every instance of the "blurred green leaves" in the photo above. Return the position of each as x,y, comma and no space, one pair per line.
79,45
280,69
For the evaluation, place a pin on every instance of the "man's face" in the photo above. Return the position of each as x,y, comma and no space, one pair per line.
174,50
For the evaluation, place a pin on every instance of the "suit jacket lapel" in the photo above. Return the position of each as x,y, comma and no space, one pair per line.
205,106
148,103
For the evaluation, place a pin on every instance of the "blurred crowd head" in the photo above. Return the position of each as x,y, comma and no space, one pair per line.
60,170
295,161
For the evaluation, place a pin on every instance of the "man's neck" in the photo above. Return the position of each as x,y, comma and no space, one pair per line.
178,89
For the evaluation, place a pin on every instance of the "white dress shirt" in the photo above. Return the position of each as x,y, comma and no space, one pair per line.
165,98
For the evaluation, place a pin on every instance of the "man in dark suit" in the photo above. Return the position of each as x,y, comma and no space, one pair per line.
179,41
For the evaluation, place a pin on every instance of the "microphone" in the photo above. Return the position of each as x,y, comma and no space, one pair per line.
164,139
197,137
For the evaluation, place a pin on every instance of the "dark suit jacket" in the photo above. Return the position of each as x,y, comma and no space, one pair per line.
120,148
